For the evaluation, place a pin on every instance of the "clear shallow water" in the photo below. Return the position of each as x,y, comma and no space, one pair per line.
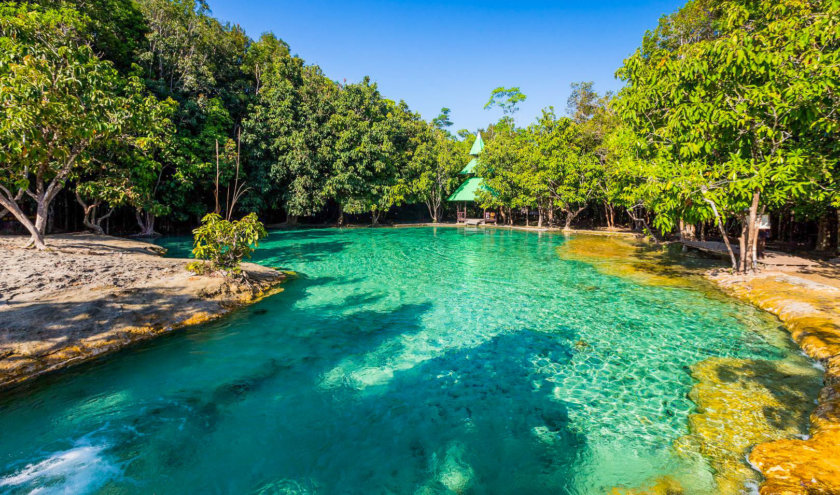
401,361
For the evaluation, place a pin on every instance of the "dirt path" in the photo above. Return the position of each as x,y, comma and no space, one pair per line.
89,295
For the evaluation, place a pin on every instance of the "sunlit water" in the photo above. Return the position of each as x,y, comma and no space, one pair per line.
400,361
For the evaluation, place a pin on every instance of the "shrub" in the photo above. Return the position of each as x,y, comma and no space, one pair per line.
224,244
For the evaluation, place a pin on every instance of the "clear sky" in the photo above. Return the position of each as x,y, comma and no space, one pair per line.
437,53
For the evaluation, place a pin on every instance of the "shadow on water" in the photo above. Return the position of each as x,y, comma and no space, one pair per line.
467,419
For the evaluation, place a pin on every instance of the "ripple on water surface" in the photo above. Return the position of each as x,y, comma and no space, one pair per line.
400,361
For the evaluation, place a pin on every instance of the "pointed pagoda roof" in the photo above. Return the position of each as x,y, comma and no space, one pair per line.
470,168
467,190
478,145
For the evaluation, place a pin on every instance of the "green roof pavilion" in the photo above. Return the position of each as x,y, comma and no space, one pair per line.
466,192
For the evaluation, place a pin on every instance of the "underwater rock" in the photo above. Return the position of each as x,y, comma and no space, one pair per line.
744,402
628,257
454,473
665,485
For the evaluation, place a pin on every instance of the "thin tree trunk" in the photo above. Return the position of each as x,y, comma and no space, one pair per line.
539,218
722,229
90,214
752,232
571,215
742,243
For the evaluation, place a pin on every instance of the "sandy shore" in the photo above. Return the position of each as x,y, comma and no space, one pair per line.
89,295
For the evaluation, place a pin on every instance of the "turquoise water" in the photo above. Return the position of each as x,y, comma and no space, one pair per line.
400,361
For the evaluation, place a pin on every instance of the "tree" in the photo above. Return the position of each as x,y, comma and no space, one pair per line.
736,100
508,99
287,133
226,243
442,121
60,103
364,154
116,28
432,170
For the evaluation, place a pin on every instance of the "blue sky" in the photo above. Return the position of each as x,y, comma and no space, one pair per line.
438,53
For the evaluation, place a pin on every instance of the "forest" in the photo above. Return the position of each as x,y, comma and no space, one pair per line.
142,116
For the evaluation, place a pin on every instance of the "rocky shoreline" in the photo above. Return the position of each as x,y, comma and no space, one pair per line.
758,411
92,295
810,309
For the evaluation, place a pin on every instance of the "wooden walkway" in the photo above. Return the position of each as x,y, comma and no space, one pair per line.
771,258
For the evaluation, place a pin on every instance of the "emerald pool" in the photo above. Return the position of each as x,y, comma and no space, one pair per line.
412,360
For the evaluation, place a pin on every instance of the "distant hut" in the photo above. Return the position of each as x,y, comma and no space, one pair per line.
465,195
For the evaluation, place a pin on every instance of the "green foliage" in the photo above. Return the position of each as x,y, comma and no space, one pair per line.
508,99
746,107
443,121
432,172
226,243
728,105
62,104
550,165
737,105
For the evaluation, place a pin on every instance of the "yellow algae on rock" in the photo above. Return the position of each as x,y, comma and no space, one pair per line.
800,466
649,264
811,311
665,485
741,403
744,402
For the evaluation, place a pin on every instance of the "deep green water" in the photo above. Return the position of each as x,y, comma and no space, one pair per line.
400,361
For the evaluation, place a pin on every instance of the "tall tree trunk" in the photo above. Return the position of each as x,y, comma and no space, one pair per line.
527,215
823,235
609,213
41,214
539,218
742,244
752,239
837,236
374,217
340,216
551,217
